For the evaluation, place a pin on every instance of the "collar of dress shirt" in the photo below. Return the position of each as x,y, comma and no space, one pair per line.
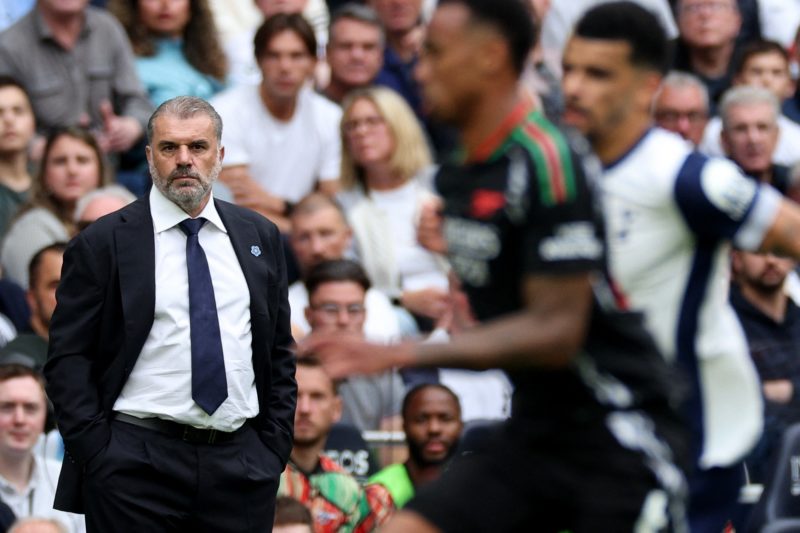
167,214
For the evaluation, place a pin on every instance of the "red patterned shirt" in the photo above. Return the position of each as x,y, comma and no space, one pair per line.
337,501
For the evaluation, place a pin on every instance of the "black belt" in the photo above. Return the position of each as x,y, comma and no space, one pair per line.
183,432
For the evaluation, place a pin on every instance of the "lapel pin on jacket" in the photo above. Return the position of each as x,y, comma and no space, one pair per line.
255,250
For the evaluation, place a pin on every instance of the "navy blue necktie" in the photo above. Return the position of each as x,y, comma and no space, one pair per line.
209,384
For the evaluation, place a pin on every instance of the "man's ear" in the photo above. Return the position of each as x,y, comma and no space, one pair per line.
494,56
651,82
221,154
31,301
148,152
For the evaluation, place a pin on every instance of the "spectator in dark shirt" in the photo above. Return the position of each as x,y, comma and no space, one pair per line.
355,50
401,21
44,275
707,42
771,321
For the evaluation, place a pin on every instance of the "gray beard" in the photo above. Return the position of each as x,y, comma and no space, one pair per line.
187,198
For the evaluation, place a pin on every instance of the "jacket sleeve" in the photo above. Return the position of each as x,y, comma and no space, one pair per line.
72,346
279,431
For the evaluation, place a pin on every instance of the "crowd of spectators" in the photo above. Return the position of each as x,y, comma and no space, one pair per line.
326,134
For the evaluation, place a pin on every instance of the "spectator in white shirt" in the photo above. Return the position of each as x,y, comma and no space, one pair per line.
27,482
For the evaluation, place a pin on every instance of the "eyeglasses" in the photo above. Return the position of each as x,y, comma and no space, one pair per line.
673,117
332,311
370,123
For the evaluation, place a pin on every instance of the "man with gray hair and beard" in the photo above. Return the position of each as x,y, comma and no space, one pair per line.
169,364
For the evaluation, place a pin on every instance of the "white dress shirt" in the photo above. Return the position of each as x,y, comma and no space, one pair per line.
160,383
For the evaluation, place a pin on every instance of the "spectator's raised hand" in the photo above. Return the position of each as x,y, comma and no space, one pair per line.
119,133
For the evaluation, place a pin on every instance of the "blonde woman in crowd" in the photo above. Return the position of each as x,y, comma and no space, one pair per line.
386,172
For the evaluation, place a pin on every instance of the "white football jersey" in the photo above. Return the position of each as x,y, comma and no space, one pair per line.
671,216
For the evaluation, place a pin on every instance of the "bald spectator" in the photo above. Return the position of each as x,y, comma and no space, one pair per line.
354,51
101,202
762,64
78,68
681,106
707,42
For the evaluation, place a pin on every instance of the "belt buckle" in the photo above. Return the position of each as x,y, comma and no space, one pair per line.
192,434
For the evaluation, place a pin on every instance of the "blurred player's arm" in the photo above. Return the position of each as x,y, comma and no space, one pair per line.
783,236
547,332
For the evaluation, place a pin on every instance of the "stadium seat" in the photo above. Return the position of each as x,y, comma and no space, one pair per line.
779,507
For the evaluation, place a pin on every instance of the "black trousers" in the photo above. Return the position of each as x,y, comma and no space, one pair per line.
146,481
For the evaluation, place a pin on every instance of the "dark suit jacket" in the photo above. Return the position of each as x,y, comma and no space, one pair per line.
106,302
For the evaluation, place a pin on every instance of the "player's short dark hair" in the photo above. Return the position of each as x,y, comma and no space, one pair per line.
757,48
38,257
336,270
280,22
423,387
513,19
629,22
289,511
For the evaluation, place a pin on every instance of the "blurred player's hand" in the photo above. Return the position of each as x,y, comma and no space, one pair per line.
344,356
432,303
429,230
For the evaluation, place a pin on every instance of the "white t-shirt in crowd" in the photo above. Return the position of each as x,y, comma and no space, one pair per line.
285,158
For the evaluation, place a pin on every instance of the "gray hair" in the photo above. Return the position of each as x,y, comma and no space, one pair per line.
109,191
679,79
747,95
186,107
20,524
360,13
